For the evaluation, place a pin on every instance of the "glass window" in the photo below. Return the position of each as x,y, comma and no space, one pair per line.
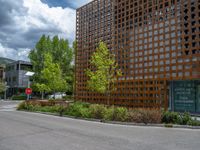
173,34
173,67
156,44
166,42
161,31
166,36
166,29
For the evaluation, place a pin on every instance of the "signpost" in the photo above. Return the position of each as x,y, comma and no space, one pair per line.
28,92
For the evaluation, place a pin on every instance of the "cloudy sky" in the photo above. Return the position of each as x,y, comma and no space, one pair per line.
22,22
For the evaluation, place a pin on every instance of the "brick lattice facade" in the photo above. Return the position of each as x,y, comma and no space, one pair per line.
155,41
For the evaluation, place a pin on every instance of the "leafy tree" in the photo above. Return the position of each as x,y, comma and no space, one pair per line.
61,54
102,79
41,87
37,56
2,87
52,76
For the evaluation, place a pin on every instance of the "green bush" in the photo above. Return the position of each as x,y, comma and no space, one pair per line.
97,111
20,97
21,106
31,107
120,114
108,115
193,122
145,116
78,109
184,119
51,109
176,118
170,117
116,114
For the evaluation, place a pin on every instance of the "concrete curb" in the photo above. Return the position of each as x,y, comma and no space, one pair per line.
122,123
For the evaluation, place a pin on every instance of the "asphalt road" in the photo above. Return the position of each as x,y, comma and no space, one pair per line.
29,131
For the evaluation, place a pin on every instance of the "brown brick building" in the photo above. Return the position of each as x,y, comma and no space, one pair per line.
156,43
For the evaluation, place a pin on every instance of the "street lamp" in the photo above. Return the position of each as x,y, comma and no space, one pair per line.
29,74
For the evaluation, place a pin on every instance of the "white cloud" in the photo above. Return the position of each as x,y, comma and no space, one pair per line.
6,52
41,16
37,18
20,54
78,3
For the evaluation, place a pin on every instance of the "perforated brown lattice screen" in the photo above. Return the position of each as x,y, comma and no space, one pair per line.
155,41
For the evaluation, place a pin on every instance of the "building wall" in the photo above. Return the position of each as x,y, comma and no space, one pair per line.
94,24
15,76
155,41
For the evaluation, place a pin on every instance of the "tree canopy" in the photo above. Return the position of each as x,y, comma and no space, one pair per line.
2,87
105,71
57,53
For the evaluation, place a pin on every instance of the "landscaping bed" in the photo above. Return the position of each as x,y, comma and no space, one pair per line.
106,114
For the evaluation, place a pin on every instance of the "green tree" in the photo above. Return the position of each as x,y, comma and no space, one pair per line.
37,57
52,76
61,54
2,87
102,79
42,88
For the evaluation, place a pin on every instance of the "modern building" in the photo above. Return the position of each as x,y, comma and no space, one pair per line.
156,44
16,79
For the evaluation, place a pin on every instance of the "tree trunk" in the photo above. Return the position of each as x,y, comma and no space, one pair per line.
54,93
42,95
108,98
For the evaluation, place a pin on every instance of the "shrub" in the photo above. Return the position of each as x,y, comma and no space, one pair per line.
51,109
176,118
20,97
21,106
170,117
193,122
78,109
108,115
97,111
145,116
120,114
184,119
33,106
116,114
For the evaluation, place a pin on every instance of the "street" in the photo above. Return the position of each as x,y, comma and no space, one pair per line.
8,105
30,131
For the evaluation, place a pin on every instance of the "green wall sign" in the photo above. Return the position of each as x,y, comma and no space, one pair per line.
184,93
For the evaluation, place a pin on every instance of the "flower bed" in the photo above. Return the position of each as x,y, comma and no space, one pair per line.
96,111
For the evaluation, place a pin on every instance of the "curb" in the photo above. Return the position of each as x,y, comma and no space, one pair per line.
122,123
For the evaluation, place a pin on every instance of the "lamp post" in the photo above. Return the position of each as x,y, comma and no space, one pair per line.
29,74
